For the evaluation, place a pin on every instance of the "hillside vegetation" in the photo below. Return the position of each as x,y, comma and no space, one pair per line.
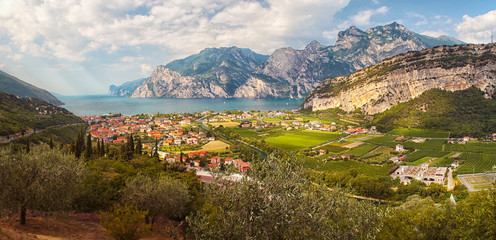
464,112
19,115
13,85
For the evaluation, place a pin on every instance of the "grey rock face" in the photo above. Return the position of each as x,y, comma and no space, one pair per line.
407,76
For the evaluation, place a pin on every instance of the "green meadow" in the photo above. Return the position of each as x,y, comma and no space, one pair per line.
302,139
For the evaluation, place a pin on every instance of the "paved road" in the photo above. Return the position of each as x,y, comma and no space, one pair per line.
31,131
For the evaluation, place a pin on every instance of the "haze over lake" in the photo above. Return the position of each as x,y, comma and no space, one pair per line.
101,104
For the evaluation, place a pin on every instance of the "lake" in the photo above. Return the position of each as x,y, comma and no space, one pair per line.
101,104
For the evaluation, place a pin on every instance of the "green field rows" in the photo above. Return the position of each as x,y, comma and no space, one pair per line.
339,166
302,139
419,133
476,162
362,150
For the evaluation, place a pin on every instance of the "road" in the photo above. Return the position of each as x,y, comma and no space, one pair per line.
31,131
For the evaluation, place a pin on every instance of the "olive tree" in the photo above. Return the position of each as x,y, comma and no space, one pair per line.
163,196
41,179
279,201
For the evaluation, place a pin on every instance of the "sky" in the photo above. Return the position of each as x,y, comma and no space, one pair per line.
80,47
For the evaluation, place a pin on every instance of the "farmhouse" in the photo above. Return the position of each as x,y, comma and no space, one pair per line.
422,173
399,148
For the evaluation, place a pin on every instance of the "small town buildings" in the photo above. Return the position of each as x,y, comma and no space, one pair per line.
399,148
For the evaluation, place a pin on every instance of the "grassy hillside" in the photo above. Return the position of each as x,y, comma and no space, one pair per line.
464,112
23,114
13,85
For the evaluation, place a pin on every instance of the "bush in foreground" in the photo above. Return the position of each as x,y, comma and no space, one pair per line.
125,222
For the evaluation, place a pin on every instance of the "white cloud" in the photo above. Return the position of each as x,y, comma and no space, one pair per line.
146,69
2,66
434,33
477,29
375,1
362,18
131,59
71,29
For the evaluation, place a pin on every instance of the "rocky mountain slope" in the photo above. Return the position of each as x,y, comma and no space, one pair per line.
13,85
406,76
126,88
462,113
241,73
214,72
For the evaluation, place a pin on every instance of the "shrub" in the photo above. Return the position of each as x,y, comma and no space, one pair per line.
125,222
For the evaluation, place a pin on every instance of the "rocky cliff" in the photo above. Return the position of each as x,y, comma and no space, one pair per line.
125,89
242,73
406,76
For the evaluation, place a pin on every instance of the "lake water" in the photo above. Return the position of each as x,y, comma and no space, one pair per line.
97,105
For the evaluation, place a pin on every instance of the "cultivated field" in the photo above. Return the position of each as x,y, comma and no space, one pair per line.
339,166
225,124
302,139
216,145
411,132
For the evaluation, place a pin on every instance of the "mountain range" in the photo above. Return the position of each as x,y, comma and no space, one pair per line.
13,85
242,73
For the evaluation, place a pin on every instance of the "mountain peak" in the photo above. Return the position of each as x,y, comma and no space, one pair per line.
351,31
314,45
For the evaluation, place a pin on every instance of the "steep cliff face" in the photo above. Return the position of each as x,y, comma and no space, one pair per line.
404,77
242,73
125,89
213,73
167,83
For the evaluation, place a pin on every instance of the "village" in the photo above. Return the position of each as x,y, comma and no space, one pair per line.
427,156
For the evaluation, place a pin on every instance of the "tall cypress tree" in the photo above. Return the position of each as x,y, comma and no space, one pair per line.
98,151
77,147
131,143
51,143
88,147
139,147
102,147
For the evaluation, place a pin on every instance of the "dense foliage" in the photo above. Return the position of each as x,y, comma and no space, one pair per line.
20,115
125,222
462,113
43,179
278,201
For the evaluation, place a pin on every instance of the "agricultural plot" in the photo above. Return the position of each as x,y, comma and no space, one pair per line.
383,140
225,124
361,150
444,161
306,118
411,132
476,162
420,161
412,157
274,119
331,148
378,151
302,139
215,146
260,133
476,147
430,144
339,166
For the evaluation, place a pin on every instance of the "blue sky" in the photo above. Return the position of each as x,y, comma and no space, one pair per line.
75,47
